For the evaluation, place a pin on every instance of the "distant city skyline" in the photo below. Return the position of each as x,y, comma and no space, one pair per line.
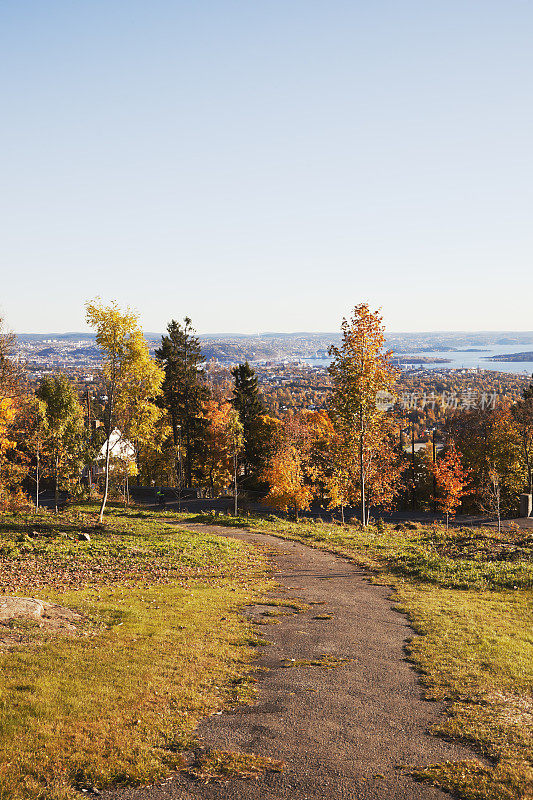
267,166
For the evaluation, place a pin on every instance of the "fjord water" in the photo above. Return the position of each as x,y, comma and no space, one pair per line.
457,359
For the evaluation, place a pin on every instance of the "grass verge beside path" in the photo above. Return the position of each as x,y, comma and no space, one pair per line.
161,643
469,597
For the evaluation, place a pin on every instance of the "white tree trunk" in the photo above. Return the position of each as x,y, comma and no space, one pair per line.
106,481
37,479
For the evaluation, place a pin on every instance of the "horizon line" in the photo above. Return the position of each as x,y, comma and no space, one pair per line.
288,333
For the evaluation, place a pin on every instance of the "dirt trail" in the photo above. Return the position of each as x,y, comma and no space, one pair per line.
341,732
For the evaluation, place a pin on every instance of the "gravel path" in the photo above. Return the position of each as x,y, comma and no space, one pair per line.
341,732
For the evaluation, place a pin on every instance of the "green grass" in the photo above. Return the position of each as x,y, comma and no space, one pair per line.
469,597
162,644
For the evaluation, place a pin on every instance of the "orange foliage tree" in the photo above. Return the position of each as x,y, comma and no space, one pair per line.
382,469
288,474
490,441
286,479
360,369
451,480
224,442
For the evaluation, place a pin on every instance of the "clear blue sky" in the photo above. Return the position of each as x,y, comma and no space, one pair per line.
267,164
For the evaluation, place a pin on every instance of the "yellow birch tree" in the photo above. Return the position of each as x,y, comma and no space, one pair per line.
132,379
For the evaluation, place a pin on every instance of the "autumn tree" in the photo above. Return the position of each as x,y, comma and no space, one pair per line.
132,379
62,431
491,495
185,392
11,384
288,474
383,469
250,407
286,480
321,444
330,460
224,440
522,413
452,481
418,473
360,369
489,440
9,477
137,415
339,472
156,455
31,431
13,464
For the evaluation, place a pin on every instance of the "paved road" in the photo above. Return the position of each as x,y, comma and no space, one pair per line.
146,497
341,732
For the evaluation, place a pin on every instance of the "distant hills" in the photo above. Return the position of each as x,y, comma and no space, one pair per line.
453,338
281,346
516,357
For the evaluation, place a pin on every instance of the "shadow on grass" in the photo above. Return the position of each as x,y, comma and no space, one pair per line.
43,528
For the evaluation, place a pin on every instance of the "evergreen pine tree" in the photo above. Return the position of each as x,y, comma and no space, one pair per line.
247,401
184,391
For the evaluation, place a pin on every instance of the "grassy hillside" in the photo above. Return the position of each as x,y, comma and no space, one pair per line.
114,697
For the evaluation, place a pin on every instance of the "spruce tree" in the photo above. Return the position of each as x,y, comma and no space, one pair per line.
184,391
247,401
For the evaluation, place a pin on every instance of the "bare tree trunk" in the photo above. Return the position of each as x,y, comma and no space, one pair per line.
108,422
188,460
342,513
235,482
106,482
56,487
37,477
362,471
125,490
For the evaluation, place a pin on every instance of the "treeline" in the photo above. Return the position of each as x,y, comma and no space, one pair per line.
297,388
159,421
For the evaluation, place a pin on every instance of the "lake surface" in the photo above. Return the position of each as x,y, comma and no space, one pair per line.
458,360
